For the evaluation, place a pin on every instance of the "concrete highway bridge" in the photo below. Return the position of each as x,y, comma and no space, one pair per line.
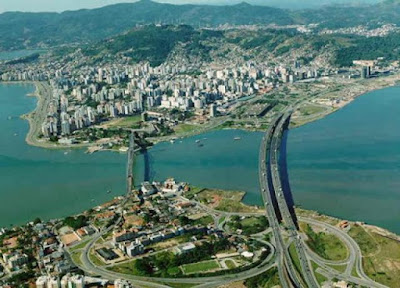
282,221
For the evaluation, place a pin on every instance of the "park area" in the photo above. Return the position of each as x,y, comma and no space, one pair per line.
201,267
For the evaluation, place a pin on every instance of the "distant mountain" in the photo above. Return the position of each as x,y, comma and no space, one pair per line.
349,16
157,44
19,30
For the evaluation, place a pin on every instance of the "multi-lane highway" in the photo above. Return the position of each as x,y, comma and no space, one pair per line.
90,267
276,203
287,272
284,208
278,210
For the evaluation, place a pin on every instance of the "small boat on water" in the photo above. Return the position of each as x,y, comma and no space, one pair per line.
237,138
109,192
197,141
172,141
66,153
15,134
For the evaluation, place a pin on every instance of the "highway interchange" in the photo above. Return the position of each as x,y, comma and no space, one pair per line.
282,225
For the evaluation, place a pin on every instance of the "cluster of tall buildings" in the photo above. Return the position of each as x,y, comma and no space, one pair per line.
84,95
78,281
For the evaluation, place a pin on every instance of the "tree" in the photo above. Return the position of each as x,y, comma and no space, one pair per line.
37,221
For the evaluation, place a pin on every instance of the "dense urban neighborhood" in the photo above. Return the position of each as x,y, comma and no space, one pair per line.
163,76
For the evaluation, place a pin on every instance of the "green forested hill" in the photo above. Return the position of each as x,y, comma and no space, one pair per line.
19,30
155,43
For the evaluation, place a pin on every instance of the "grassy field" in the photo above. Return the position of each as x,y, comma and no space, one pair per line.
227,201
180,285
201,267
193,191
95,259
295,257
325,245
230,264
339,268
185,128
79,246
267,279
206,220
310,109
381,255
76,258
249,225
124,268
315,215
296,261
125,122
320,278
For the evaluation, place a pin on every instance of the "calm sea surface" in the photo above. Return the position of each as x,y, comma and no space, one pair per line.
346,164
47,183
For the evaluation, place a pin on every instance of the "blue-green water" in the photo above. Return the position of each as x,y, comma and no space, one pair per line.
221,162
346,164
47,183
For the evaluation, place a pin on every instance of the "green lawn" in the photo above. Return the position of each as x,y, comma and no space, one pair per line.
381,256
193,191
320,278
340,268
76,258
79,246
96,260
363,239
267,279
295,257
311,109
204,221
201,267
185,128
354,272
230,264
296,261
249,225
180,285
326,245
125,268
126,122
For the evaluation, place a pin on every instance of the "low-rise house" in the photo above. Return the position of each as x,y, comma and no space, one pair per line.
184,248
15,260
148,189
135,249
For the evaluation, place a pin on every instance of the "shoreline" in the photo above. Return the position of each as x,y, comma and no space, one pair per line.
40,93
37,116
388,81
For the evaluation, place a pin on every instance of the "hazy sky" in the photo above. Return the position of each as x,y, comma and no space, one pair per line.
62,5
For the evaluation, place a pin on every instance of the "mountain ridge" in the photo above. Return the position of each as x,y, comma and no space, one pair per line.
19,30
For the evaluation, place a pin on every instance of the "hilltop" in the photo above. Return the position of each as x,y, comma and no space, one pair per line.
157,44
20,30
